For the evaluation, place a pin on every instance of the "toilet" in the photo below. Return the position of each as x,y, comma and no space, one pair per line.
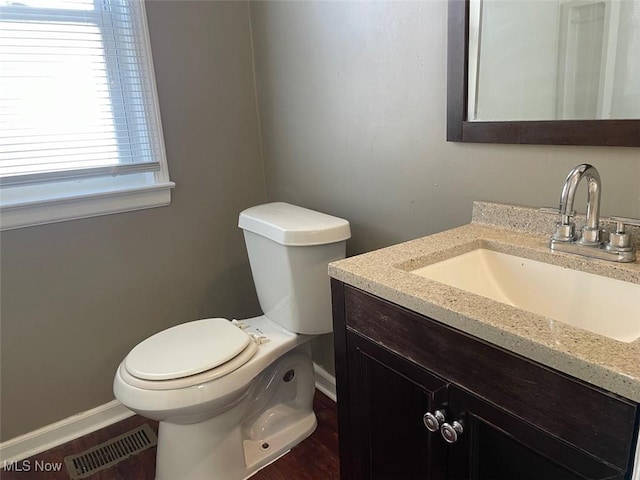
232,396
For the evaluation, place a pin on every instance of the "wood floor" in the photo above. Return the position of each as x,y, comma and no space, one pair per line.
316,458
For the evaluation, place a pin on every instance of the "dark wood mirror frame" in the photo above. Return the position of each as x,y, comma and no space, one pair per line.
621,133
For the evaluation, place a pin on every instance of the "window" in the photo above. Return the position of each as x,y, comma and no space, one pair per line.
80,131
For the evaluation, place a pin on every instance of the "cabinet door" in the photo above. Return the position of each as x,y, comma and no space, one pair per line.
388,399
496,445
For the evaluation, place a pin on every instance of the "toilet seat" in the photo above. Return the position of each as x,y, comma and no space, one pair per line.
172,358
184,382
239,370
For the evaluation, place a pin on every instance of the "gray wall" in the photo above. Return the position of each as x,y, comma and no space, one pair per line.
76,296
352,106
351,98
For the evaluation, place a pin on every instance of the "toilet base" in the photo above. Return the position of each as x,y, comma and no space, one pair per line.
258,456
181,455
274,416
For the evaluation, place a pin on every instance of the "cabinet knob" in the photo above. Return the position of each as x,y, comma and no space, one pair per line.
451,432
433,421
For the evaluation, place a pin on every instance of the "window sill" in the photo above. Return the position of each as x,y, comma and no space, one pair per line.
51,210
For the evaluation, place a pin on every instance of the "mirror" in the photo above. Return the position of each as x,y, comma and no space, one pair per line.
553,60
512,78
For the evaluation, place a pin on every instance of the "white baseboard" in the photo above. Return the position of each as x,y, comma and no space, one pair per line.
325,382
50,436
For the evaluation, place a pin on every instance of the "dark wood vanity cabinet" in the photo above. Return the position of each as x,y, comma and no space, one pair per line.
515,419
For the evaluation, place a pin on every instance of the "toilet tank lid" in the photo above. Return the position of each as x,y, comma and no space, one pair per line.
288,224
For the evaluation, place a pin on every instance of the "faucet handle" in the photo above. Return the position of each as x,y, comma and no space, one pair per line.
564,232
620,240
622,221
554,211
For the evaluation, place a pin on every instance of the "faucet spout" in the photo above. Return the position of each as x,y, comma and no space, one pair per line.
618,247
591,231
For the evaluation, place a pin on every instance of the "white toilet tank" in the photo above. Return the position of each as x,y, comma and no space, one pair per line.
289,249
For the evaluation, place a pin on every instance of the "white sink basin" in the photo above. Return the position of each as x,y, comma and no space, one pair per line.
599,304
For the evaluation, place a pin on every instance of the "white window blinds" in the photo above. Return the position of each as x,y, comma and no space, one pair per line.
77,94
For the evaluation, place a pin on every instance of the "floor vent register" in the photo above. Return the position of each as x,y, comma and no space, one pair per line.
110,453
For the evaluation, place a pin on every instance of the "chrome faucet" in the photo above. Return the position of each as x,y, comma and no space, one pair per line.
565,231
590,242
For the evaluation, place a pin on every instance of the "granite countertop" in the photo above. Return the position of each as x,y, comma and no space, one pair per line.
522,231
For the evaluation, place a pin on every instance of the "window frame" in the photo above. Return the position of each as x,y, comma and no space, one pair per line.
100,192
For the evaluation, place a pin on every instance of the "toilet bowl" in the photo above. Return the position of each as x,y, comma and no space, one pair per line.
233,396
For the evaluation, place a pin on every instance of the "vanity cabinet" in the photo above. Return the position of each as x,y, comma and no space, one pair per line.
514,418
